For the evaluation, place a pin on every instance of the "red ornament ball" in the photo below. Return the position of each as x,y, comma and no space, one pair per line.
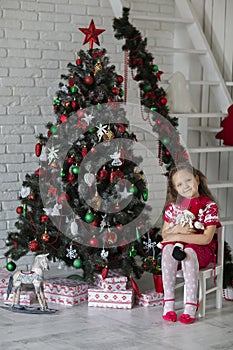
163,100
31,196
34,245
63,118
89,80
115,90
120,79
19,210
39,172
74,105
79,61
45,237
70,160
94,242
44,218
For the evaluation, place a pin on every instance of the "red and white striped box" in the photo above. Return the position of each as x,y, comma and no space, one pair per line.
150,298
26,298
122,299
113,282
4,280
65,291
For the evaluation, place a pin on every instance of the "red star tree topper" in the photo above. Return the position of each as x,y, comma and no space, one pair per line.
91,34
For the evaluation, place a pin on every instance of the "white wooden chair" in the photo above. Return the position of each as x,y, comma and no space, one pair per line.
206,273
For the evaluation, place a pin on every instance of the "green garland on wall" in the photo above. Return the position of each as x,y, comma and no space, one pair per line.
153,97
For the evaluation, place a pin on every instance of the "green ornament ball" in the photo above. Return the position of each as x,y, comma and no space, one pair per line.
73,89
77,263
153,109
99,107
62,173
53,129
75,170
166,141
57,101
147,88
145,194
11,266
155,68
89,217
133,189
121,93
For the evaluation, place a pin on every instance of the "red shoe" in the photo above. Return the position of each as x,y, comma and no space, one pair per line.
186,318
170,316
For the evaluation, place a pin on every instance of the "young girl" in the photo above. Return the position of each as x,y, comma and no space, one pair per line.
187,190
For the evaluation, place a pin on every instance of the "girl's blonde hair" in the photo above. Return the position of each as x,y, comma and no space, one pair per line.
173,196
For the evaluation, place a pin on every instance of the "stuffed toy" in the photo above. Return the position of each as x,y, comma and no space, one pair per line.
184,218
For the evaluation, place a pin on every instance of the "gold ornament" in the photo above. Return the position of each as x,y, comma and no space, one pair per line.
109,135
96,202
97,67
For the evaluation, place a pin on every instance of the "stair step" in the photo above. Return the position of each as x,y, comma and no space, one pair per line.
195,82
212,149
220,184
229,83
204,128
163,19
199,115
172,50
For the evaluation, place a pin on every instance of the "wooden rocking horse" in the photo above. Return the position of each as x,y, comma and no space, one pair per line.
35,277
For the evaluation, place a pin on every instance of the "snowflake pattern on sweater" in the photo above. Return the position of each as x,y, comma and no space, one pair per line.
204,209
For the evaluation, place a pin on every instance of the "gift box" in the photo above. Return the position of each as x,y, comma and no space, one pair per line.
113,282
4,280
65,291
121,299
26,298
150,298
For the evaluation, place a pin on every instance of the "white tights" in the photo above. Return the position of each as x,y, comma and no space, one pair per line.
190,267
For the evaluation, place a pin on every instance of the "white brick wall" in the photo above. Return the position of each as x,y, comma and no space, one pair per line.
38,39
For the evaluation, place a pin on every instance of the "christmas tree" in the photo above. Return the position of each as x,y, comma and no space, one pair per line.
86,204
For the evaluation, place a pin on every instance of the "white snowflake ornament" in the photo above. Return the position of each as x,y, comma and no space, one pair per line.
53,154
71,253
88,118
101,130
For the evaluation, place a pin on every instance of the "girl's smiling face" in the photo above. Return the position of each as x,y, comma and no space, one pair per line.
186,184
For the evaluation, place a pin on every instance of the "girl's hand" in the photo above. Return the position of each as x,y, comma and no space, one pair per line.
180,229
